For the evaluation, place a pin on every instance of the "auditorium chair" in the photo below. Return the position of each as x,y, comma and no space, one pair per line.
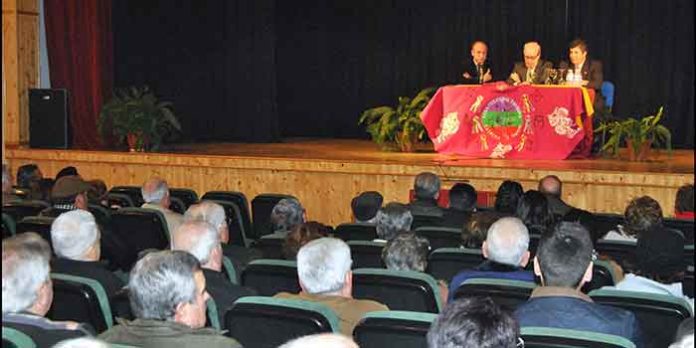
548,337
356,231
80,299
623,252
177,205
38,224
685,226
426,221
602,275
271,246
9,226
13,338
605,222
212,318
188,196
266,322
239,200
269,277
366,254
21,209
441,237
398,290
120,200
403,329
689,255
235,226
261,208
445,263
607,91
101,214
506,293
659,315
139,229
134,192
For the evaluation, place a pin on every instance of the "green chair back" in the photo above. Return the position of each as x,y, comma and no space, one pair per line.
543,337
17,338
64,310
398,290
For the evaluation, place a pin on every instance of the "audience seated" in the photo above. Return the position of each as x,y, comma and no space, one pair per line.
365,206
506,252
156,196
659,265
8,193
300,235
392,219
551,187
167,296
76,241
323,340
474,322
641,214
684,202
98,193
427,190
323,269
507,197
564,264
27,291
29,177
409,252
202,240
462,203
533,209
214,214
474,233
67,171
286,214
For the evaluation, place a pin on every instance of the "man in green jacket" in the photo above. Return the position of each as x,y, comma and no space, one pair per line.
167,296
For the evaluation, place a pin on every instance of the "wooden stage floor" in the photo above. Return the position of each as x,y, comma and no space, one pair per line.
326,173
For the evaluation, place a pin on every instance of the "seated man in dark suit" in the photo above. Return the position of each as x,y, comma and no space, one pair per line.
462,203
477,70
76,241
202,240
534,70
27,291
564,264
506,251
550,186
426,187
583,71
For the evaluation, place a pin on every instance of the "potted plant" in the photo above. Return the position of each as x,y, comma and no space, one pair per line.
638,134
400,127
136,116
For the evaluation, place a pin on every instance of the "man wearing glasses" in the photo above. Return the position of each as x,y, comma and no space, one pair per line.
534,71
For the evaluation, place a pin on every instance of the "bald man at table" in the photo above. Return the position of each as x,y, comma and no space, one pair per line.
533,70
477,70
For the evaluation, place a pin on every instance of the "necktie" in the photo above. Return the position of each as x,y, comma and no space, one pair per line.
480,73
530,75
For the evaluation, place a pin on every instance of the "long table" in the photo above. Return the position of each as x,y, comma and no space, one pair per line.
501,121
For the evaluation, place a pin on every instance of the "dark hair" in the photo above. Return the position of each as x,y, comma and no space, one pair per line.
642,214
473,322
25,175
300,235
579,43
509,193
67,171
462,197
476,230
685,199
659,255
564,255
587,220
533,209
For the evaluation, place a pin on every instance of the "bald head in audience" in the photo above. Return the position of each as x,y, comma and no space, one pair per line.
320,341
550,185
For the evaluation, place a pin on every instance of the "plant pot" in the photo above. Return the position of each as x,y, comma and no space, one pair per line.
405,141
136,142
640,152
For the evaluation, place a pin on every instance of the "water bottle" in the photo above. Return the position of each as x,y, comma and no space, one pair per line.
569,77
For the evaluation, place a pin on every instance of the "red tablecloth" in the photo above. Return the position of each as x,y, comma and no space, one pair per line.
501,121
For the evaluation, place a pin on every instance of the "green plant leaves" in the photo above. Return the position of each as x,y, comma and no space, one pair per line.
637,131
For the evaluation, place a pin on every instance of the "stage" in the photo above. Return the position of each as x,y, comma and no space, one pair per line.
325,174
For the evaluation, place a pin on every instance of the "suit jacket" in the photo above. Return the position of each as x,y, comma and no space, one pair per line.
223,292
456,218
90,269
540,73
592,72
470,68
44,332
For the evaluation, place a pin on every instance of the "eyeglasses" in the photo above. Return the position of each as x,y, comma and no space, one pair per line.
520,342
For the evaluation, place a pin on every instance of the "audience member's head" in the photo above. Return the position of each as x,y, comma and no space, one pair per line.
168,286
211,213
533,209
302,234
323,340
98,192
587,220
81,342
26,286
642,214
685,199
323,267
660,255
201,240
71,190
550,185
75,236
366,205
67,171
473,322
462,197
564,257
426,186
476,230
508,196
393,218
28,175
406,252
507,242
287,213
156,191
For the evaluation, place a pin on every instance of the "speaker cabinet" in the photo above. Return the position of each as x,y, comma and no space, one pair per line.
48,119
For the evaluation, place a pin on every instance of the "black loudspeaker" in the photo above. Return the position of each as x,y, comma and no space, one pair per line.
48,119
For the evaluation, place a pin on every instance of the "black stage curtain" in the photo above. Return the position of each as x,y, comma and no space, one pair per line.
243,70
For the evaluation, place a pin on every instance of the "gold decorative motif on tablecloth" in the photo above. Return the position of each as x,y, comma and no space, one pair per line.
474,107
